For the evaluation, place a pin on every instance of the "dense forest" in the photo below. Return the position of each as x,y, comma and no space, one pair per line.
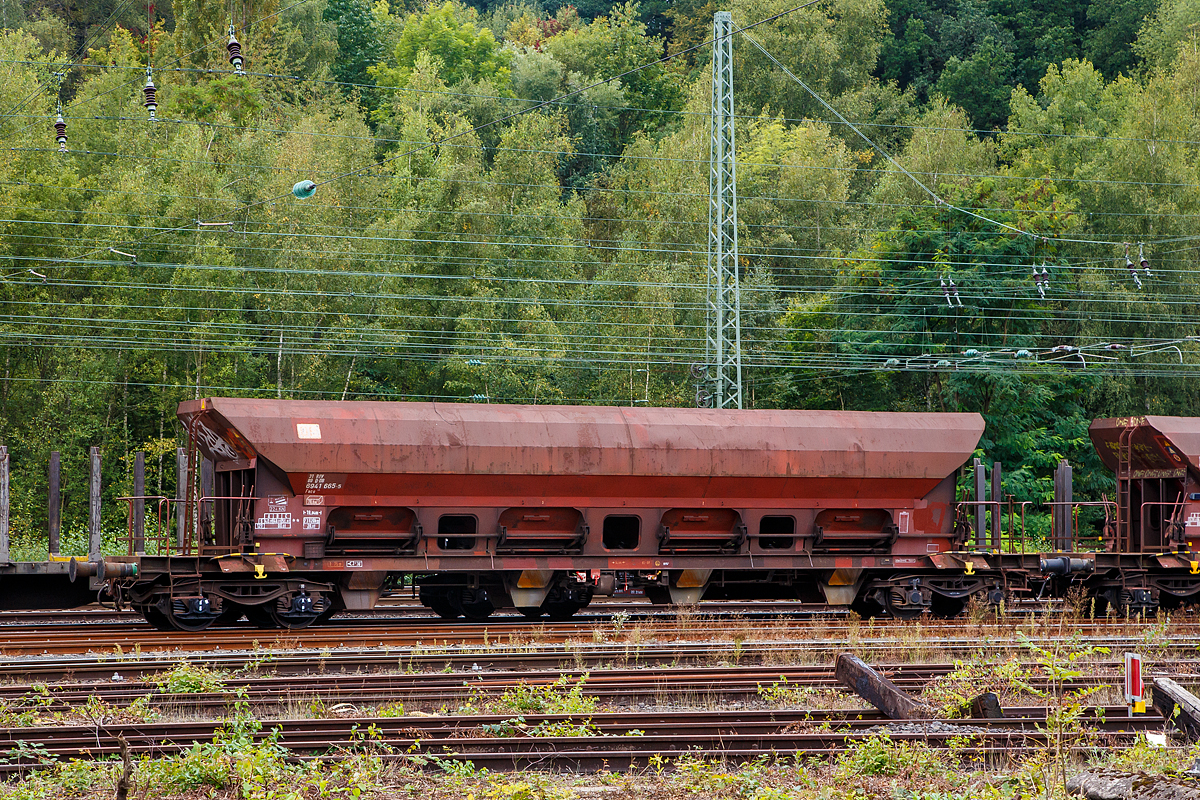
511,206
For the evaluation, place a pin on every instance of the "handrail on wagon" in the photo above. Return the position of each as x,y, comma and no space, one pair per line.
975,539
135,536
202,548
1014,536
1064,541
1174,519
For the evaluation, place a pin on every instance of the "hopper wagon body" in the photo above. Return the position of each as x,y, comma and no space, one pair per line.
542,507
299,509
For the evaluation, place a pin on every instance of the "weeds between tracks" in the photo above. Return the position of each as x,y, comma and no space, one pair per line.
244,759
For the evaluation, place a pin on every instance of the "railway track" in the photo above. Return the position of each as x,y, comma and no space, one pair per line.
291,657
612,740
398,609
665,687
73,638
403,606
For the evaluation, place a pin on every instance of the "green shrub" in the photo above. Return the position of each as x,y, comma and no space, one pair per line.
560,697
879,755
186,678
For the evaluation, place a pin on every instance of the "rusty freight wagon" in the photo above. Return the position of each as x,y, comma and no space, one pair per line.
316,506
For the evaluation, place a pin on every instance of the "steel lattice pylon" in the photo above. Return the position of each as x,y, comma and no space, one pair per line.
723,332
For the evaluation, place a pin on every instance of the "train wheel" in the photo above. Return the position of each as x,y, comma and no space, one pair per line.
561,610
478,609
866,608
156,618
947,607
192,614
473,603
439,601
298,610
443,608
906,615
291,622
260,616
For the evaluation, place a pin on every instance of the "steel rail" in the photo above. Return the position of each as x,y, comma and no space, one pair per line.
45,639
734,734
283,658
672,686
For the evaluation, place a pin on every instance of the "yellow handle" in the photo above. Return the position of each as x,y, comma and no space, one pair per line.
1195,567
260,572
970,568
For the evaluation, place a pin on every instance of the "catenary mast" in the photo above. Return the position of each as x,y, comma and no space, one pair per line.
723,331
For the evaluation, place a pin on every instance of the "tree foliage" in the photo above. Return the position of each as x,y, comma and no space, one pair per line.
515,210
449,36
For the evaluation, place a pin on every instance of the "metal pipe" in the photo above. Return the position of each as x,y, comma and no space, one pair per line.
1023,504
1068,497
997,495
94,531
139,505
181,469
206,490
980,501
1055,511
55,500
996,508
3,504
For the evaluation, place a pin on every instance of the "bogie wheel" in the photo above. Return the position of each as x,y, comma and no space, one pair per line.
561,610
947,607
478,609
191,615
298,611
439,603
907,614
156,618
260,616
292,622
866,608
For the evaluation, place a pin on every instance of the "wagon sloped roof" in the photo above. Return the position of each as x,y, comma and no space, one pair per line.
1150,439
449,438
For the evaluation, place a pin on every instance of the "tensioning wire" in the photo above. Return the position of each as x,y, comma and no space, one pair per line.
938,200
512,115
622,157
586,104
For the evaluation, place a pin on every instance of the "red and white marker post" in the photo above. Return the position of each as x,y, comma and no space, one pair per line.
1135,689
